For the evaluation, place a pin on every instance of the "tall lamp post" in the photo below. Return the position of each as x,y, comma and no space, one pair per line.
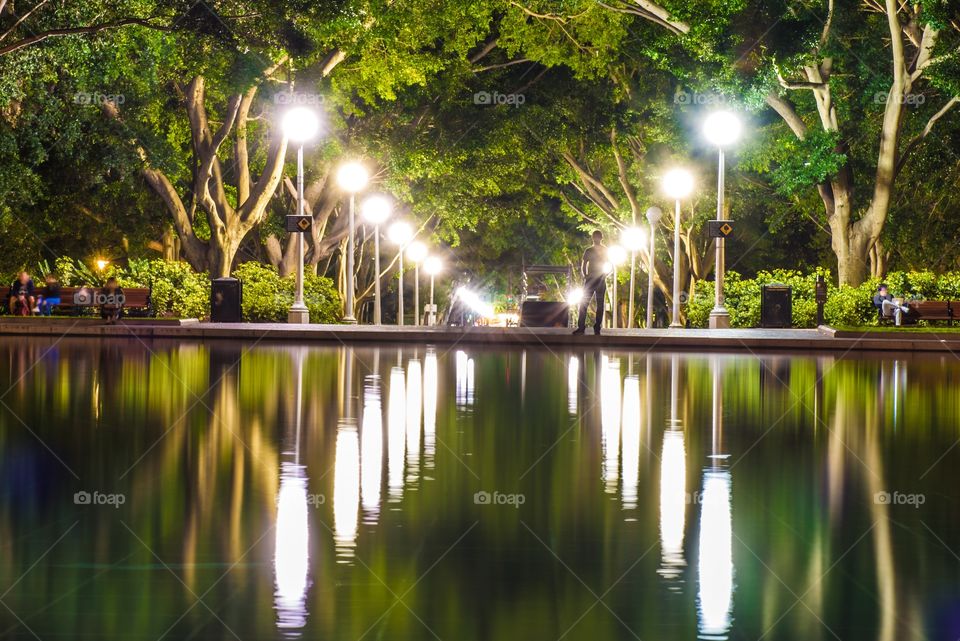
722,129
678,183
634,239
653,217
617,256
432,265
352,177
300,124
416,252
376,210
400,233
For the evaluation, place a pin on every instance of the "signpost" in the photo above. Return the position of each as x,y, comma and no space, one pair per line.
719,228
299,224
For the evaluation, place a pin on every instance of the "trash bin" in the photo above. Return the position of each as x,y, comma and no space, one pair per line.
225,296
776,306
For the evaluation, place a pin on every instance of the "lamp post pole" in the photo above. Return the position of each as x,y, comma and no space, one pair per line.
653,217
633,273
348,317
376,267
298,311
719,317
416,294
675,321
400,291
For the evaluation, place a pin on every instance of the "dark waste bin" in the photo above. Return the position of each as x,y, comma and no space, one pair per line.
776,306
225,296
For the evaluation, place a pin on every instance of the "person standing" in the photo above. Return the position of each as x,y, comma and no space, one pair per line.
592,267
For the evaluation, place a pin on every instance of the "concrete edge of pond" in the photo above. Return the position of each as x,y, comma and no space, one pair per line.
823,339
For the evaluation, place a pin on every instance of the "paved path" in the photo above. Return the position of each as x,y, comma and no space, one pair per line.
784,340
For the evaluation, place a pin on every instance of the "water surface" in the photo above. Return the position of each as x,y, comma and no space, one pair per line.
156,490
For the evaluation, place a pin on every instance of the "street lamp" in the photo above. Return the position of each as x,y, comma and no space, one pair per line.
634,239
400,233
617,256
376,210
433,266
416,252
653,217
352,177
678,183
722,129
299,124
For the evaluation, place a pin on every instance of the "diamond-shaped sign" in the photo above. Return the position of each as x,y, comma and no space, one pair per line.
719,228
299,224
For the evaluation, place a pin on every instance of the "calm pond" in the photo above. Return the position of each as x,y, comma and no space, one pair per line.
162,490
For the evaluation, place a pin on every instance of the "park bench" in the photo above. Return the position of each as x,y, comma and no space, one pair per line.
136,302
934,310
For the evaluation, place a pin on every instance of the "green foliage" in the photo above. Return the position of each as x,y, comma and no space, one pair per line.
177,290
267,297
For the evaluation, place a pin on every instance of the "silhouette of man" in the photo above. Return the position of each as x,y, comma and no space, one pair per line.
594,282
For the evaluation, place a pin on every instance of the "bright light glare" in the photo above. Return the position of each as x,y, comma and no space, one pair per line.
473,301
616,254
376,209
352,177
400,233
102,264
432,265
634,238
416,251
575,297
722,128
607,267
300,124
678,183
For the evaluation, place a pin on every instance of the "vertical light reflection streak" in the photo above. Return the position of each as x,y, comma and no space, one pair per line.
573,380
631,441
413,414
396,434
673,505
610,421
464,366
346,491
292,554
715,567
371,450
429,408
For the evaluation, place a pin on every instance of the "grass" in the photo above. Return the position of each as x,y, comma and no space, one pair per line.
908,329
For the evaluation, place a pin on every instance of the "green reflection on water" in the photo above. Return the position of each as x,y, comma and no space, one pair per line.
281,491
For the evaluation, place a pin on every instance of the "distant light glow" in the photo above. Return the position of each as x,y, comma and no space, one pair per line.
432,265
400,233
352,177
300,124
102,264
472,300
616,254
416,251
376,209
722,128
634,238
678,183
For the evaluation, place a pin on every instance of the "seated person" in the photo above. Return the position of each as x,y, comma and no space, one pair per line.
50,296
112,297
887,307
22,298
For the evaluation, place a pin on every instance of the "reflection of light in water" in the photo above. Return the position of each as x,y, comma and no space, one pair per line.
429,408
464,380
371,450
346,490
610,421
631,441
292,554
673,504
715,568
396,434
414,409
573,379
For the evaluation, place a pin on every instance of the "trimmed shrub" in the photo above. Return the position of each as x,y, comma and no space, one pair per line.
267,297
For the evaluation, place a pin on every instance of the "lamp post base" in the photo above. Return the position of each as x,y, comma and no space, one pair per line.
676,325
719,319
298,315
348,320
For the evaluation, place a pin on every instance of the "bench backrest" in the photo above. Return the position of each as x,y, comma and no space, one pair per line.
933,309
